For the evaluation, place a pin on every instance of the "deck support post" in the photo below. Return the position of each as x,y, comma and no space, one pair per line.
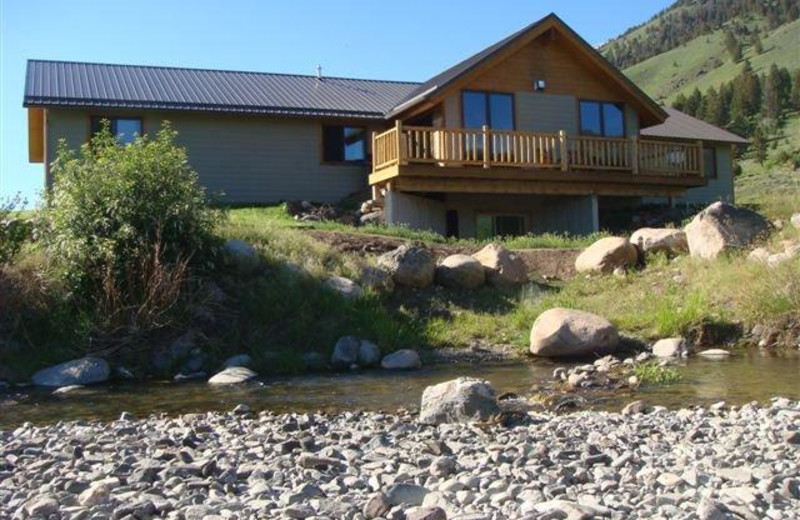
485,130
562,140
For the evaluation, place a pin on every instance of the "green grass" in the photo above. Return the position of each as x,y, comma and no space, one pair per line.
690,66
275,217
653,373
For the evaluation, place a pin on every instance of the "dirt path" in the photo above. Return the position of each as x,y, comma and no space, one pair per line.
542,263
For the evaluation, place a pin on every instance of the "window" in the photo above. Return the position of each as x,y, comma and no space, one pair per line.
602,119
344,144
125,128
489,226
710,163
488,108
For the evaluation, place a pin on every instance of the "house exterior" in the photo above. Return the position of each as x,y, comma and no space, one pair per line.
535,133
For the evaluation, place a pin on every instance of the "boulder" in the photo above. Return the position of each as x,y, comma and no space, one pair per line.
84,371
345,352
671,348
722,227
241,254
666,240
795,220
376,279
503,268
426,513
562,332
239,360
232,376
460,272
403,359
607,254
369,354
345,287
790,251
371,218
759,254
409,265
458,401
714,353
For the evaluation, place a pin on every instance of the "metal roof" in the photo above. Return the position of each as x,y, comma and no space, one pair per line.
75,84
683,126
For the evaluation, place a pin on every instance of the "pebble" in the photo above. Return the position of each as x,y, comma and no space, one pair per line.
699,463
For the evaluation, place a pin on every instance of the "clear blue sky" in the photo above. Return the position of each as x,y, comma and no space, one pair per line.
401,40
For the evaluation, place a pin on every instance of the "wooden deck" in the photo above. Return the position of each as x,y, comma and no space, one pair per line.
415,158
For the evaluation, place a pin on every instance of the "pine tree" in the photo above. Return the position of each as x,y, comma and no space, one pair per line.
771,108
733,46
680,102
713,108
758,46
759,145
693,103
795,95
746,99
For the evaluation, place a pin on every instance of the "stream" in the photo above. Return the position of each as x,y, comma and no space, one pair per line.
749,375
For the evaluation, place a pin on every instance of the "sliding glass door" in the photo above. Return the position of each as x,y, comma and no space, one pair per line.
493,109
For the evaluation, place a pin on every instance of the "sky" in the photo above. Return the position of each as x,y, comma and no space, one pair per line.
395,40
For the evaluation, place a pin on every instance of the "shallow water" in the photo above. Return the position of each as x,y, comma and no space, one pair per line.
746,376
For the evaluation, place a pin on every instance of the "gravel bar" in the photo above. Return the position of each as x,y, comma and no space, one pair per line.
701,463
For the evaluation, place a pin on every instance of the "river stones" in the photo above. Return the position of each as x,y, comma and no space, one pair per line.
345,352
458,401
607,255
714,353
722,227
232,376
671,348
347,288
663,240
563,332
84,371
369,354
403,359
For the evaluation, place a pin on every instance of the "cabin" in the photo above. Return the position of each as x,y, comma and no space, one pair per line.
536,133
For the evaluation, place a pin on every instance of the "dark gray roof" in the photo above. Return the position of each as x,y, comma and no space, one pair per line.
683,126
74,84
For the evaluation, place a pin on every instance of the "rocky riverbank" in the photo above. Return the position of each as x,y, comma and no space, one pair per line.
706,463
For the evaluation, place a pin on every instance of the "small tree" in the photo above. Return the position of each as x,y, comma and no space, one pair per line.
114,208
759,145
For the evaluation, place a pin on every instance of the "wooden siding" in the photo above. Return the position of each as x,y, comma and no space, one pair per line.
549,113
252,159
36,135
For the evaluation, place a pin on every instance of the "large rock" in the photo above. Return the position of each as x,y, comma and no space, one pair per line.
503,268
460,272
403,359
722,227
606,255
458,401
344,286
84,371
665,240
571,333
413,266
369,354
345,352
241,254
671,348
376,279
232,376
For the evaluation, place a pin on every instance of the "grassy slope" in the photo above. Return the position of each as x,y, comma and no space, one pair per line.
661,78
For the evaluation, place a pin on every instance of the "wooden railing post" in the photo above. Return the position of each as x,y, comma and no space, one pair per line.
401,155
374,150
635,154
701,163
562,140
485,130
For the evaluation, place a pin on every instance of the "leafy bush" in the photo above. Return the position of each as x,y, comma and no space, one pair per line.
112,205
654,373
13,231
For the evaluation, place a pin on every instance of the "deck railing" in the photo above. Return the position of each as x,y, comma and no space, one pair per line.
505,148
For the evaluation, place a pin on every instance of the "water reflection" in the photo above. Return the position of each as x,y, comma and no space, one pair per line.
745,377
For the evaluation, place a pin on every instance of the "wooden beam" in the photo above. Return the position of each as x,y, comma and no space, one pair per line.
36,135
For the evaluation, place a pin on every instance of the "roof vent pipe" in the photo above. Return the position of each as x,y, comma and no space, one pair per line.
319,71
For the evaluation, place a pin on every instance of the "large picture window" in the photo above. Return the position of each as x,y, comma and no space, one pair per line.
124,128
495,110
602,119
344,143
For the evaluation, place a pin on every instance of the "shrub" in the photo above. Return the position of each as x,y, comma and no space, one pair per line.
112,205
13,231
654,373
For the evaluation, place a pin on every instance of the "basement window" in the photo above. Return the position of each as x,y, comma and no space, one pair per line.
490,226
344,143
125,128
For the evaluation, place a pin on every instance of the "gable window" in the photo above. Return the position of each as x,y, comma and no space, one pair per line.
124,128
344,143
710,163
602,119
493,109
